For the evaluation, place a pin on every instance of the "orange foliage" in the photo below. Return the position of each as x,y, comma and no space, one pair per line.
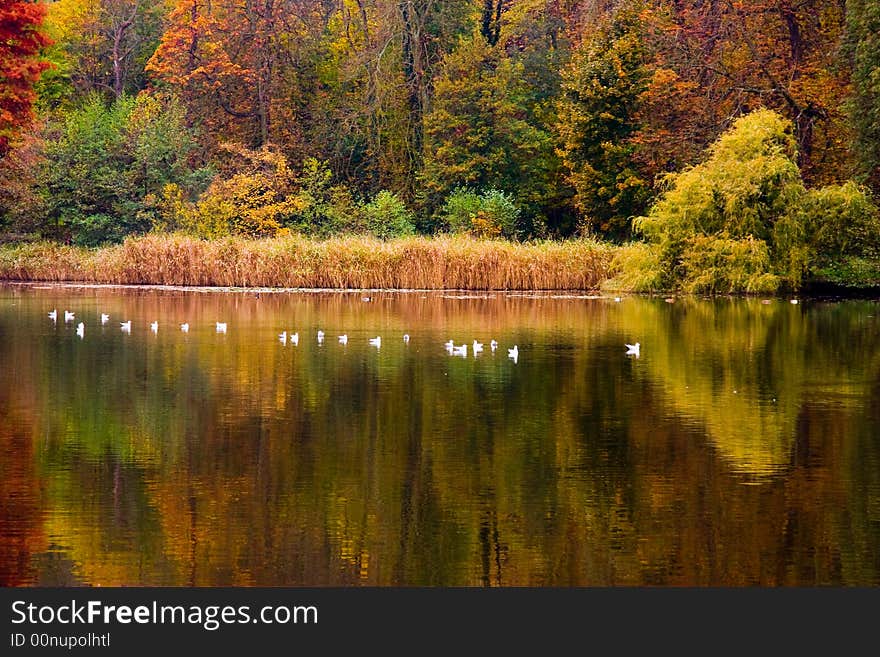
716,61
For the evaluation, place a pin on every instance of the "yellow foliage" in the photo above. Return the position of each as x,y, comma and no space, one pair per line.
251,196
483,225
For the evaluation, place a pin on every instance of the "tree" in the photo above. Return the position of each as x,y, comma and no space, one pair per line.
729,58
21,206
744,221
386,216
598,118
100,46
480,133
20,66
863,35
221,57
104,164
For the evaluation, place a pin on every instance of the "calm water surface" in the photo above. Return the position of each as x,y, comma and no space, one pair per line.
742,447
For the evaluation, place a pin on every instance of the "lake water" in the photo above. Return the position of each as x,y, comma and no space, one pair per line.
742,447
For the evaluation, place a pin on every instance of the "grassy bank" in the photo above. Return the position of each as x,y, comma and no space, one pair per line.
352,262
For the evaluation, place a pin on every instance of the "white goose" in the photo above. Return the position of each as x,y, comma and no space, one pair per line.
185,327
377,341
68,316
343,339
221,327
406,338
154,327
460,351
105,318
449,346
54,315
294,339
493,345
513,353
282,337
81,329
478,347
125,326
633,349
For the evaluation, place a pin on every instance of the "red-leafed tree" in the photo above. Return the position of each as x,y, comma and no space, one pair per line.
20,65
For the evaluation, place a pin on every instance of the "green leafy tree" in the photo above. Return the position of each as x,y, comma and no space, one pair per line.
480,134
325,208
843,228
863,26
598,110
104,164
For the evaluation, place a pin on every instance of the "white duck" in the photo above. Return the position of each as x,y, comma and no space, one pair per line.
343,339
633,349
294,339
105,318
478,347
185,327
125,326
406,338
154,327
493,345
68,316
282,337
376,342
513,353
54,315
460,351
221,327
81,329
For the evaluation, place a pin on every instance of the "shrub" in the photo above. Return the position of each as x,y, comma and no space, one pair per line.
488,214
252,199
325,209
841,220
387,216
636,266
843,232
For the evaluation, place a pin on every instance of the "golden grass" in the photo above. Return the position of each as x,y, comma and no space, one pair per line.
296,262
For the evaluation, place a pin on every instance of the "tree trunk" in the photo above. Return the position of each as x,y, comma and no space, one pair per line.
414,74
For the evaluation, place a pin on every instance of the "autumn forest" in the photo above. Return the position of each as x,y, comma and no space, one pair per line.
737,138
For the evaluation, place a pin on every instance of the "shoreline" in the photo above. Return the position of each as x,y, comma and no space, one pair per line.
822,292
446,264
462,293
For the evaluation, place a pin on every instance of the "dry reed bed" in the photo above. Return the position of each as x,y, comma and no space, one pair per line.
344,263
